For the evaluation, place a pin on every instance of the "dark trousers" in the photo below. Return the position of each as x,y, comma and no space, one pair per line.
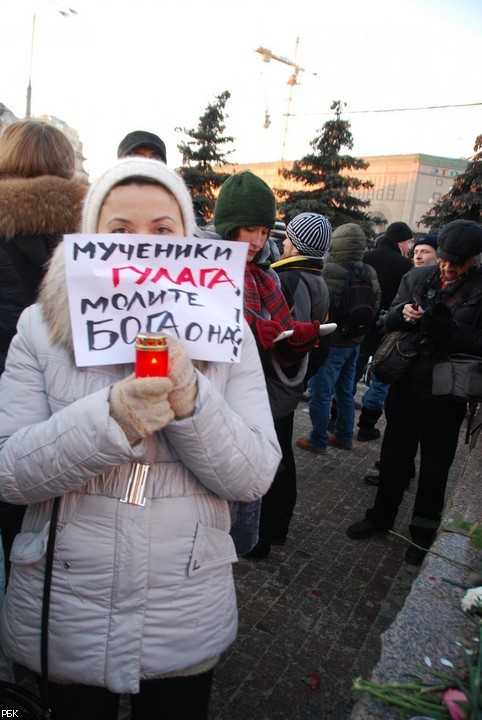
361,363
279,502
178,698
434,423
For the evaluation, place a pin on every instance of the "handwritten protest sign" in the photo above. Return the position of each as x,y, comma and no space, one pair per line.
191,288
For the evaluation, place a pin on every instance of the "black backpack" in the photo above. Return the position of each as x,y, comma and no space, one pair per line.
354,312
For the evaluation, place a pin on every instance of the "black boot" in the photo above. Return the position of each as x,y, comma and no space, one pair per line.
366,422
375,481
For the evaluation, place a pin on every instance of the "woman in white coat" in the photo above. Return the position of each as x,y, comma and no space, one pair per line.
142,599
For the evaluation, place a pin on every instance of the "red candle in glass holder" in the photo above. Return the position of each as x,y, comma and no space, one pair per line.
152,355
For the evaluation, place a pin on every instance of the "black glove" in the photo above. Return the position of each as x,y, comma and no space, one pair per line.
438,325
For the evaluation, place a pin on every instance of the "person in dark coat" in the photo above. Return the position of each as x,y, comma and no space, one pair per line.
309,299
39,201
390,261
336,375
245,211
300,269
449,320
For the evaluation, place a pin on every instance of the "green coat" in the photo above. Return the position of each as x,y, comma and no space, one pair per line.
348,244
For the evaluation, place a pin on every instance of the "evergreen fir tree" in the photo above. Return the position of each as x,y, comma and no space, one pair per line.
464,199
201,153
332,192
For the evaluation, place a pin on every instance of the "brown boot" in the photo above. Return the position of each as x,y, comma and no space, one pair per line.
342,444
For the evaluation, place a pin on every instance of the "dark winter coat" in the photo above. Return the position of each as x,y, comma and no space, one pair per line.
304,288
424,284
309,298
390,266
34,214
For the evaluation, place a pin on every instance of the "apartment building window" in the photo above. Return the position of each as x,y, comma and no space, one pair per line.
381,188
391,187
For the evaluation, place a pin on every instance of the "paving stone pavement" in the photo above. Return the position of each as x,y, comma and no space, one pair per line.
319,603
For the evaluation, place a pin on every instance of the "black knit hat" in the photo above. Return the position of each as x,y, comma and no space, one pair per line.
459,240
245,200
398,232
428,239
141,138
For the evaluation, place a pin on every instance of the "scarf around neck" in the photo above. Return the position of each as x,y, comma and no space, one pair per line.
261,291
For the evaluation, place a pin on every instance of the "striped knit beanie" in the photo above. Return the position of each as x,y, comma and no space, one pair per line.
310,233
278,233
245,200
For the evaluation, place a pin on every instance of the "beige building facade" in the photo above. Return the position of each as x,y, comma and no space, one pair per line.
404,186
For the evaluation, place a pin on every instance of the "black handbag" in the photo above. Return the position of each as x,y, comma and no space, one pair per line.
16,698
458,377
399,349
394,355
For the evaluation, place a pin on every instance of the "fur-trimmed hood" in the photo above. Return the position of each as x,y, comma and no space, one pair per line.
53,297
42,205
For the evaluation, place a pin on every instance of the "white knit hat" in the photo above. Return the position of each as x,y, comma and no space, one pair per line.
131,167
310,233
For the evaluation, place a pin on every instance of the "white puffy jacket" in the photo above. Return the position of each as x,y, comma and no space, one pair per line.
137,591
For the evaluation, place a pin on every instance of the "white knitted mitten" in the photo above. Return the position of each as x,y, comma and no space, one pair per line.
184,382
141,405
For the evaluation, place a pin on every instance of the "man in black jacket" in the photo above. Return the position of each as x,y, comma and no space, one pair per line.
449,320
391,262
390,259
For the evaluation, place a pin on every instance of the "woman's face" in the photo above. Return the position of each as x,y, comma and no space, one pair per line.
255,236
140,209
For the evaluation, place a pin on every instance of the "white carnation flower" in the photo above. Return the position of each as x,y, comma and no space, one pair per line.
472,600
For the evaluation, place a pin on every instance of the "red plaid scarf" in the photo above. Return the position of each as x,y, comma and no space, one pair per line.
261,290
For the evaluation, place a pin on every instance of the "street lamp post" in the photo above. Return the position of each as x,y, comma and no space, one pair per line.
67,12
28,112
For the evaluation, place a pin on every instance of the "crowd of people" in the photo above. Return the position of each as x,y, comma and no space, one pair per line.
142,598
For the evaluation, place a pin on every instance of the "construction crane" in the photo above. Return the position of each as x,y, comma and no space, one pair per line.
267,56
